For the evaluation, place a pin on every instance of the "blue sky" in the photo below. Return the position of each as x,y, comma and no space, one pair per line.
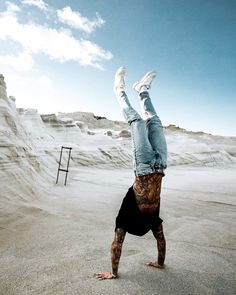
61,56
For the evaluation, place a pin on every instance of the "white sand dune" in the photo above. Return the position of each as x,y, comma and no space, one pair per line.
54,238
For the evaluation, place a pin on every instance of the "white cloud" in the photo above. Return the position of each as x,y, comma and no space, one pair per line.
76,20
11,8
57,44
38,3
22,62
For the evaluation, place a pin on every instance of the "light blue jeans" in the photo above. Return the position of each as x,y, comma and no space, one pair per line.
148,139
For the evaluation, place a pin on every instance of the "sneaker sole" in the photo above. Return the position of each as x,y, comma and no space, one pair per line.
151,74
120,72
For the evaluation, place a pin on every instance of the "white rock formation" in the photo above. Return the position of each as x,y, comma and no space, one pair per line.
3,88
22,173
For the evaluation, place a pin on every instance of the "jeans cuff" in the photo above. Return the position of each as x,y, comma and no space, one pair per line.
144,94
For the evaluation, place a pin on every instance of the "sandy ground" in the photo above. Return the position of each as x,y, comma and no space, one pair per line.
61,242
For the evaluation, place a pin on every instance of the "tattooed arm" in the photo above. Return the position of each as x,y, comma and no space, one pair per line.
116,248
161,246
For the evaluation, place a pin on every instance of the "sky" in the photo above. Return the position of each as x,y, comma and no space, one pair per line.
61,56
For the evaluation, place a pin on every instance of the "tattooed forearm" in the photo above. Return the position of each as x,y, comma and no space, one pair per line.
161,245
116,248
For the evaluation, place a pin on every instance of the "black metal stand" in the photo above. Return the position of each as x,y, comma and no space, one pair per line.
59,167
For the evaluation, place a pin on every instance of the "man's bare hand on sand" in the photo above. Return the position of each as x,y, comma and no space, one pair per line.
105,275
154,264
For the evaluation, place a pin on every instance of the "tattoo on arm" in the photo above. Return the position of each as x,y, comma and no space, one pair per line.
161,244
116,248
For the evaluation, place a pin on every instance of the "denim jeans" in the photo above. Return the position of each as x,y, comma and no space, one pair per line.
148,140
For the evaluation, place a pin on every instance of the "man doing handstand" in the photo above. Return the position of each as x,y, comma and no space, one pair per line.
139,211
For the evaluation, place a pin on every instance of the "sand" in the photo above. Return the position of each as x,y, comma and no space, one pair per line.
56,244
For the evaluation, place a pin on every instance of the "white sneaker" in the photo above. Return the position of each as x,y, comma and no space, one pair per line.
119,83
145,81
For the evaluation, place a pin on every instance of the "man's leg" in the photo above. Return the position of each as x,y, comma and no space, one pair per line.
142,149
129,113
161,247
154,129
116,248
153,123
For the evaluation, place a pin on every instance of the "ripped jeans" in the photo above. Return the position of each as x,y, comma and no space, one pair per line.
148,139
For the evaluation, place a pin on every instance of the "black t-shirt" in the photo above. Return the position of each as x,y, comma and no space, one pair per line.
132,220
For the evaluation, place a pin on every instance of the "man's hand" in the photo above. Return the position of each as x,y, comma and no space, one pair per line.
105,275
154,264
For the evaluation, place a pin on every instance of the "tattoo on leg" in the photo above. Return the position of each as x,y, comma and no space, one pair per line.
116,248
161,244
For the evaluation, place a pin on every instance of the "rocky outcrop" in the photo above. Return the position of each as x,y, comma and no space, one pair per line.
22,173
3,88
95,122
125,134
